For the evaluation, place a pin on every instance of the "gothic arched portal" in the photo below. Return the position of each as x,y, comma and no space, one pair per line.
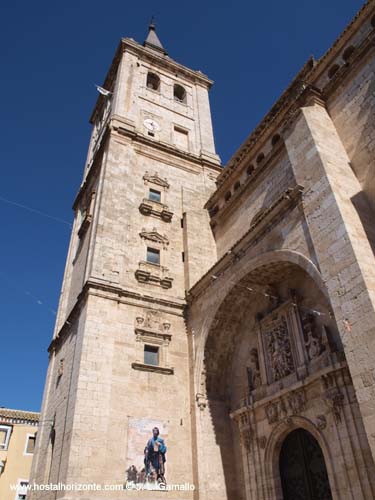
302,468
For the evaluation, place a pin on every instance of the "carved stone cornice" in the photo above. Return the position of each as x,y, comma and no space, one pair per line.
277,110
292,400
153,274
358,54
121,129
249,184
285,108
110,292
156,209
155,237
152,368
155,179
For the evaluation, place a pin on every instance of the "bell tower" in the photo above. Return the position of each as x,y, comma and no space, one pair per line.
120,358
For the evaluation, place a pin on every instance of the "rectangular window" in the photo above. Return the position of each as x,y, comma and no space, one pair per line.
151,355
5,431
181,138
154,195
153,255
30,445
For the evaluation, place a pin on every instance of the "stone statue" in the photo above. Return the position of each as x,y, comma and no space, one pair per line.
253,372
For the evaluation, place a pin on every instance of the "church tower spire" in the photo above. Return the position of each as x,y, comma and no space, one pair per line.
152,41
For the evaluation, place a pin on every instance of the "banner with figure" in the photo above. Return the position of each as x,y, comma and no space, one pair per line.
146,453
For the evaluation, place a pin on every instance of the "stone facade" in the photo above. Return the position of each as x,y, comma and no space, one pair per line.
254,285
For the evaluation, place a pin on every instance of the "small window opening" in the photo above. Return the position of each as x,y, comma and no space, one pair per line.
237,185
275,139
228,195
153,255
260,157
333,70
153,82
30,444
154,195
151,355
179,93
348,52
151,134
250,169
213,211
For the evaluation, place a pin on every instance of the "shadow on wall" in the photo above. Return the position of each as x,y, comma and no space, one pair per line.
366,214
362,158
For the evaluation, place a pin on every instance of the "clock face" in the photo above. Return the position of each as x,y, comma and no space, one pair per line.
151,125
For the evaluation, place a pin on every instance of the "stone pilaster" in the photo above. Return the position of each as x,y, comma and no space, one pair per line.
321,164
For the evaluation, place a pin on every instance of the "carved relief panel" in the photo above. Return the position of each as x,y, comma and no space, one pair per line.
280,339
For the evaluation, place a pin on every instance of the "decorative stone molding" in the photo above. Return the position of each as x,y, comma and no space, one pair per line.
153,326
151,329
293,404
246,440
152,368
155,237
201,401
245,429
153,274
155,179
296,402
262,441
87,215
334,398
321,422
156,209
275,411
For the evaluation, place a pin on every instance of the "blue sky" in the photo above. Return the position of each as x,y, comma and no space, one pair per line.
52,54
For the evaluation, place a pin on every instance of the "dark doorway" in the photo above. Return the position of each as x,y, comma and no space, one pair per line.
302,468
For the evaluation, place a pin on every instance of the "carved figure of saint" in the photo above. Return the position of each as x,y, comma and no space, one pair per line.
313,346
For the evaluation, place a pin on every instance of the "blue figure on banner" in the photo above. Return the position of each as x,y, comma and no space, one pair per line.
154,460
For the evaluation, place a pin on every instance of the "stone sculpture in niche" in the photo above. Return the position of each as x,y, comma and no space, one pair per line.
253,371
312,338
